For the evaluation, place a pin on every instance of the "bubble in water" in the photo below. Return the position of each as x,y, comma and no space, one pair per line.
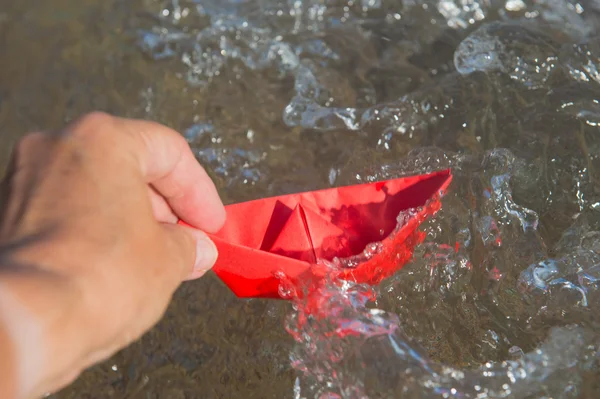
566,14
234,164
462,13
480,52
539,275
524,53
488,229
198,131
161,44
587,110
582,60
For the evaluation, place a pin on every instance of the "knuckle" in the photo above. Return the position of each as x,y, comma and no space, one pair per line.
30,141
91,123
96,118
33,146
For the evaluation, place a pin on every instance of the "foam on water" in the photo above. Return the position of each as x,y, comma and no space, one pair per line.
501,299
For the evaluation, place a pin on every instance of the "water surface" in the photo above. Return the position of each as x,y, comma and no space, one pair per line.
501,300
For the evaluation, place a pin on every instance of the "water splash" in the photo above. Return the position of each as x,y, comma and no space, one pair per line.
500,46
359,325
582,60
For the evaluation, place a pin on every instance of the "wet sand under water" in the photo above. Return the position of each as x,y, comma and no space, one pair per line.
518,122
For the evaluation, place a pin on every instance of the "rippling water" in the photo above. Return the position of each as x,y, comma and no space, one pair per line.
501,300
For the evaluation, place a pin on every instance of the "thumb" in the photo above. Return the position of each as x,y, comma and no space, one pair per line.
204,253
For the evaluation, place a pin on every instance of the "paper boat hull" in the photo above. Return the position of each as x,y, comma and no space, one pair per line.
366,213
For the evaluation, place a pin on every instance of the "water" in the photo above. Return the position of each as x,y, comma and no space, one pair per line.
501,298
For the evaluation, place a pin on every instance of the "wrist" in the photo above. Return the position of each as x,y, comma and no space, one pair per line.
36,314
22,339
8,384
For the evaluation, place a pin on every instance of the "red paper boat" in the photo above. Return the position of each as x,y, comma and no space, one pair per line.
265,239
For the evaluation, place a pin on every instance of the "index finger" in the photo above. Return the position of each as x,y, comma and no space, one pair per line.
168,164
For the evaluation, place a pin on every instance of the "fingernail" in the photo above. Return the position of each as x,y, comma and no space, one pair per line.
206,255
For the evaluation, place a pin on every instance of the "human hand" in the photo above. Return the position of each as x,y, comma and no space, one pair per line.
90,252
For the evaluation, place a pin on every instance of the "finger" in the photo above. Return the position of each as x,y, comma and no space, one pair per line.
188,253
169,165
166,163
162,211
204,253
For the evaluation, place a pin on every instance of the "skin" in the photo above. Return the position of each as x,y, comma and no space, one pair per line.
90,252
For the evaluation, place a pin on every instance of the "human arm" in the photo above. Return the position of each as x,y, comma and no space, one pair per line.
90,252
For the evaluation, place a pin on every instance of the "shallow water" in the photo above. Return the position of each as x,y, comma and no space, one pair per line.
501,300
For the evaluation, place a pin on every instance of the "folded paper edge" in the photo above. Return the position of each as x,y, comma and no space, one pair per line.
411,179
253,265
